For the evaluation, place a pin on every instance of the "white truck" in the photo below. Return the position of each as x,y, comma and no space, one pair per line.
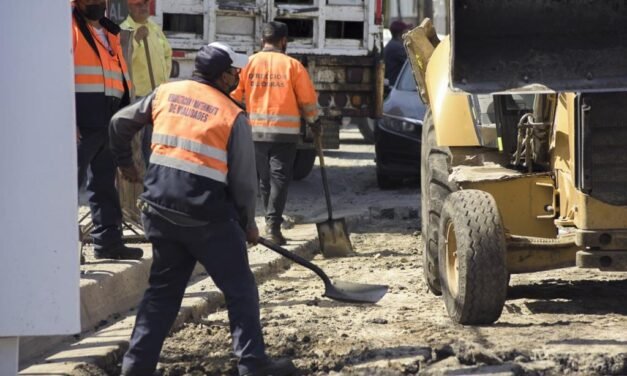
339,41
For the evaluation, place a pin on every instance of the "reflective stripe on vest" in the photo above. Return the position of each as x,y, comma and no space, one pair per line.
187,166
99,73
196,147
260,123
192,125
310,112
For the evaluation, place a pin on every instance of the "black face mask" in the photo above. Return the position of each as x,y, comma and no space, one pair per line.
233,86
95,12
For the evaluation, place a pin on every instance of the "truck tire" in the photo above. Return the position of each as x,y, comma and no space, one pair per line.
472,248
366,128
303,163
434,188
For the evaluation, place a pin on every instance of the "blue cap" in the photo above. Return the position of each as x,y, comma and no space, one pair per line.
214,59
212,62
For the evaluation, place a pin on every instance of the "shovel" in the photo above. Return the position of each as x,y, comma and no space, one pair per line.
149,63
342,291
333,235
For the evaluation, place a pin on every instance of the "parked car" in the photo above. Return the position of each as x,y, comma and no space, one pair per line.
397,133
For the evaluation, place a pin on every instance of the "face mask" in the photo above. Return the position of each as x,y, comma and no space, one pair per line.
233,86
95,12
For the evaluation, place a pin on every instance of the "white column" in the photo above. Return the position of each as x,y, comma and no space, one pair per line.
9,347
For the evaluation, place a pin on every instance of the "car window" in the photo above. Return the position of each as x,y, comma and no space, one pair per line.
406,81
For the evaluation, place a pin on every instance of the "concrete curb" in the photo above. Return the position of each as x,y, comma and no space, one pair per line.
127,279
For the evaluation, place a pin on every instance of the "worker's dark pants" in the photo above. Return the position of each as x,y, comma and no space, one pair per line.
104,202
221,249
275,166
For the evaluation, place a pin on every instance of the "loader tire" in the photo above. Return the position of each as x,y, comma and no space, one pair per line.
434,188
473,270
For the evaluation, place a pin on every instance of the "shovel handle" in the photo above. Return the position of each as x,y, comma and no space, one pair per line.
323,172
296,258
149,63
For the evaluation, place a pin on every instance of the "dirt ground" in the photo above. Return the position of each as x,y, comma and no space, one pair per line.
567,321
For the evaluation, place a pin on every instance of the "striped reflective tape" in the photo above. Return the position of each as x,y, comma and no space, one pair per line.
266,117
193,146
89,88
187,166
277,130
309,107
98,71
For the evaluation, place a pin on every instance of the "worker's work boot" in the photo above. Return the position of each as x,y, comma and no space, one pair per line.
283,367
119,252
275,236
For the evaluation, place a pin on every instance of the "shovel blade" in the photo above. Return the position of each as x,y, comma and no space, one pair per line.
334,241
355,292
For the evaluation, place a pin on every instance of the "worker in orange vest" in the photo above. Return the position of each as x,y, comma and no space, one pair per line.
277,92
102,87
198,205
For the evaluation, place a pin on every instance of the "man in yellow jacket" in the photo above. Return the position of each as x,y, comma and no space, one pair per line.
142,26
157,47
277,92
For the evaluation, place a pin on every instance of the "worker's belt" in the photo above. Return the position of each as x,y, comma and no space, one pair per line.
170,216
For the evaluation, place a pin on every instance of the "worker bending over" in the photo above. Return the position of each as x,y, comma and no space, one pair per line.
198,205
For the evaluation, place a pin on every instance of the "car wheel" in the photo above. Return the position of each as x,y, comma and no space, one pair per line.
366,128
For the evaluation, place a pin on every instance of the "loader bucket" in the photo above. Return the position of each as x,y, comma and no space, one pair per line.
538,45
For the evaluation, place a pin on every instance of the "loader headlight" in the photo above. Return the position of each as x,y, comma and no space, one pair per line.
405,126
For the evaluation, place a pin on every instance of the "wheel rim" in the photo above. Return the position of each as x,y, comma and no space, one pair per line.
452,263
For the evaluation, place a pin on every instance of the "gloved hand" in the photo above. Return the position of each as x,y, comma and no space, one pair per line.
252,235
316,127
130,173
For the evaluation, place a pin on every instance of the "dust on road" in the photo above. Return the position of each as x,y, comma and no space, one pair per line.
568,321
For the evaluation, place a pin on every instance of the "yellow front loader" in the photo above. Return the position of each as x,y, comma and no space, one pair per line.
524,145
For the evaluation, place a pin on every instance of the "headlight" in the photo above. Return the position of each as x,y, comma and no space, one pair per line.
400,125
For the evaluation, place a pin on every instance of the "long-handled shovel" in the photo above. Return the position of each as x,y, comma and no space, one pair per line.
333,235
151,75
338,290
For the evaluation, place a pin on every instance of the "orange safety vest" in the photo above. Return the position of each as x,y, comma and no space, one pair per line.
101,79
277,92
192,125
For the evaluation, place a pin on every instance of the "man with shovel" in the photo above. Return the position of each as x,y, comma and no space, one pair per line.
198,205
152,56
277,92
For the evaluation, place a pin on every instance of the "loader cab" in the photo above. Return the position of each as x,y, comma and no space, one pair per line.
490,112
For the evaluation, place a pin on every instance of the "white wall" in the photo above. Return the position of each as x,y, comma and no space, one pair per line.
39,260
